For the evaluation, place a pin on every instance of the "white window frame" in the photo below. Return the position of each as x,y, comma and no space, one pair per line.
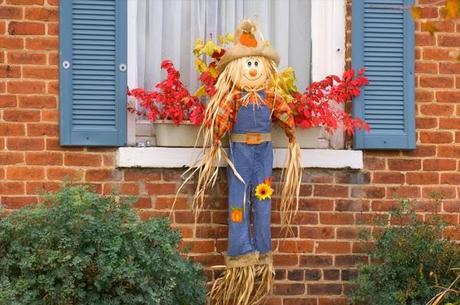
328,25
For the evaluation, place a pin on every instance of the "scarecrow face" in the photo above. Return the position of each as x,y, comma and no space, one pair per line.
253,72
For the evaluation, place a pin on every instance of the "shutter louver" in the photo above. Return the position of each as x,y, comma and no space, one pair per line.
93,72
383,43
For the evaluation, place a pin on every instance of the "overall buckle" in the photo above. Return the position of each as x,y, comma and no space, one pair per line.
253,138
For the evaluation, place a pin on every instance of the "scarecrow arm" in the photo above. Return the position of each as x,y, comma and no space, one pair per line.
283,113
225,117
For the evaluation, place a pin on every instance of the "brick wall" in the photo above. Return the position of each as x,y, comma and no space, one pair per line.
314,266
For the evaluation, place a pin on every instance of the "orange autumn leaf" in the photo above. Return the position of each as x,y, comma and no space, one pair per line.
416,12
429,27
452,9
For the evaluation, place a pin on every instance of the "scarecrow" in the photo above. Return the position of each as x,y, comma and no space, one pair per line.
244,106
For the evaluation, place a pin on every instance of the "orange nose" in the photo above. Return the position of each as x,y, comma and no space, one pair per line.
253,72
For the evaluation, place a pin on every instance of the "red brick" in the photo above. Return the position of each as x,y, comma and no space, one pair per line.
42,187
333,247
330,191
281,260
11,158
7,71
190,217
14,115
404,164
288,289
25,173
426,123
313,232
315,204
102,175
162,203
16,202
53,29
2,27
368,192
12,188
426,67
315,261
451,206
10,12
62,173
439,164
450,178
448,40
448,96
421,151
436,81
324,289
44,158
382,205
437,109
449,151
53,2
295,246
41,14
436,137
50,115
161,188
449,68
403,191
82,159
42,44
436,54
428,12
333,301
26,28
53,87
388,178
302,218
40,73
11,43
25,87
25,2
423,95
349,260
424,39
11,129
143,203
25,144
445,192
371,163
300,301
336,218
422,178
26,58
53,144
42,129
37,101
351,205
449,123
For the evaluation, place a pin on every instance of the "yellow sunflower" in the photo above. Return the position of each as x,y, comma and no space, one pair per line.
264,191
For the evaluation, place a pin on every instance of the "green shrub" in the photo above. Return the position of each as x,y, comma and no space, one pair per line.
411,261
80,248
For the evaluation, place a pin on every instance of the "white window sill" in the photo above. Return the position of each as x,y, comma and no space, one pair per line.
165,157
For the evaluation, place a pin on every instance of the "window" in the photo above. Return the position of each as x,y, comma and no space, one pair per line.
93,65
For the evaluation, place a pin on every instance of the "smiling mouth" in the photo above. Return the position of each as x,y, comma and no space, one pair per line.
252,79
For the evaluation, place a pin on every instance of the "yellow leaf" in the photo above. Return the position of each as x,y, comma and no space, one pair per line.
209,48
200,92
429,27
223,40
416,12
199,44
213,72
200,65
451,9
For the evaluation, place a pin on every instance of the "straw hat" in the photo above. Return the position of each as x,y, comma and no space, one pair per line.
247,42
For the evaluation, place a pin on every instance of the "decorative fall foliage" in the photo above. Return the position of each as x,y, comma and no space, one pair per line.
171,100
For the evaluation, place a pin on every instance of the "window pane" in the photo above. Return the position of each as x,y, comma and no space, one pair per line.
167,29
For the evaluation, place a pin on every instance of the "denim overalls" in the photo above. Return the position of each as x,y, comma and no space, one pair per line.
254,163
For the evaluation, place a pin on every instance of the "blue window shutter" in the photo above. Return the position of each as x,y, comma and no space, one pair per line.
383,43
93,72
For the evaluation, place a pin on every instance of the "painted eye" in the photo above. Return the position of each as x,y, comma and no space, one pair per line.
249,63
256,63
